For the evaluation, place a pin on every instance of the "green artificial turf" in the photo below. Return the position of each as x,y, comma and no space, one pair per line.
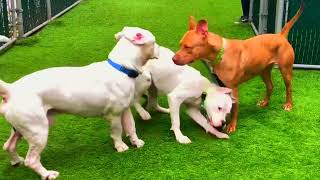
269,143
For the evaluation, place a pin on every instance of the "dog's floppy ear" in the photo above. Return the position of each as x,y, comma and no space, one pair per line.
118,36
227,91
202,28
192,23
224,90
137,35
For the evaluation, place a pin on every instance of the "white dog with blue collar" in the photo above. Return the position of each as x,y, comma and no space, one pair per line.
100,89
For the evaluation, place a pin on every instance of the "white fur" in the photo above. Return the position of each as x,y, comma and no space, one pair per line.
4,39
93,90
182,84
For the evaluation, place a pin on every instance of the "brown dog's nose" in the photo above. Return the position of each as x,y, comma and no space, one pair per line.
175,59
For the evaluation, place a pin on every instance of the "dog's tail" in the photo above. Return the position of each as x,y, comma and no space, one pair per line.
285,30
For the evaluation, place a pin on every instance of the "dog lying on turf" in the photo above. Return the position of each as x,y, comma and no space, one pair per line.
182,84
100,89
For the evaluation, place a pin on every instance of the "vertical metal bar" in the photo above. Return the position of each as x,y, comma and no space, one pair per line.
279,15
263,16
287,11
49,15
19,18
251,10
13,18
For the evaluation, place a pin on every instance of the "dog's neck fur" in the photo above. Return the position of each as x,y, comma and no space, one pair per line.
128,58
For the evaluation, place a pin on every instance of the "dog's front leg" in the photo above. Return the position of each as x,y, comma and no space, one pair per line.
144,114
196,115
232,126
116,133
174,104
152,100
130,128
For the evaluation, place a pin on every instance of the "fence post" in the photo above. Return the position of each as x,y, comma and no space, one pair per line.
13,18
49,14
251,10
19,18
279,16
263,17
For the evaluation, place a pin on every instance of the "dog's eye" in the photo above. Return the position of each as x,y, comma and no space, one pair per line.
219,108
187,47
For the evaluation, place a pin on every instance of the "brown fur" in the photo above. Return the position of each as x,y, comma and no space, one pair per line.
242,59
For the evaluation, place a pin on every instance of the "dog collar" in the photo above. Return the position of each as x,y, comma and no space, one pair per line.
218,58
130,72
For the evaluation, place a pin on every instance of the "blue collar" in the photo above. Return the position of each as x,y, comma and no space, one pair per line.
131,73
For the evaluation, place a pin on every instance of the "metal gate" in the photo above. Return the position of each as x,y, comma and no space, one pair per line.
21,18
4,21
269,16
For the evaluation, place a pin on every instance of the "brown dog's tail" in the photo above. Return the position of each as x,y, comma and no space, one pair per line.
285,30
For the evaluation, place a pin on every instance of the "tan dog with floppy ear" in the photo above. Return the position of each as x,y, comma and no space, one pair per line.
237,61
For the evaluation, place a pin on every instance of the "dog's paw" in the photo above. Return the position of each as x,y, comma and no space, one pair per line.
162,109
183,140
145,115
231,127
287,106
263,103
222,136
138,143
121,147
51,175
17,162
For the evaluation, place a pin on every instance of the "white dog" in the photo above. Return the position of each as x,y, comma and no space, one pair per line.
100,89
182,84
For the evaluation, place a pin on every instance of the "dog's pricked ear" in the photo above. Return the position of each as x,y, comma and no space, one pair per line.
192,23
202,27
224,90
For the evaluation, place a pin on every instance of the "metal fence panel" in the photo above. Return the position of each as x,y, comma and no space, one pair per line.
305,34
272,6
256,13
34,13
59,5
4,22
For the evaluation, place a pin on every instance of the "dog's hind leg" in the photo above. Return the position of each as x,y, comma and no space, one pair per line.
285,65
130,128
37,139
11,147
266,77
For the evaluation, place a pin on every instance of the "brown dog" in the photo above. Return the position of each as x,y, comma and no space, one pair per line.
237,61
